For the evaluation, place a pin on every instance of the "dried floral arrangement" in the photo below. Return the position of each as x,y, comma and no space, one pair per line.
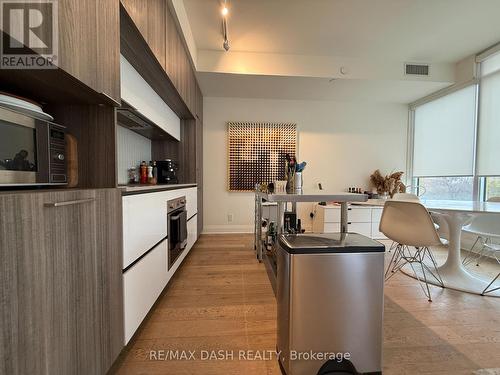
390,184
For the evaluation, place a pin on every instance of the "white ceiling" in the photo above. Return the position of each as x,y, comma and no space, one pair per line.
371,31
410,30
309,88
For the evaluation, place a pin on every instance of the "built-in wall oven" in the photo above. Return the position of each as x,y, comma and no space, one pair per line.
177,228
32,151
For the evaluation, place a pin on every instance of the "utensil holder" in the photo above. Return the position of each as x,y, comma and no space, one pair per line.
298,181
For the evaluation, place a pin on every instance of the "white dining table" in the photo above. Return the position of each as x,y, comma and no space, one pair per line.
457,214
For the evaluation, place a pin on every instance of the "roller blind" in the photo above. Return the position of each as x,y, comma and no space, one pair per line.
488,162
444,135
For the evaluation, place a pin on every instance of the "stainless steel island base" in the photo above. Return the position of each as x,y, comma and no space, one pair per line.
330,301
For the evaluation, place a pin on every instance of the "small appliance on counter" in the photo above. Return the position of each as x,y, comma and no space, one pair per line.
167,171
32,149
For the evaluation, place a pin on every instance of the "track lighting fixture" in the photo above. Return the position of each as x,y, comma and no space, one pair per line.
225,12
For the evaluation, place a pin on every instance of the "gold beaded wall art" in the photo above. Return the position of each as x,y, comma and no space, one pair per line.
256,153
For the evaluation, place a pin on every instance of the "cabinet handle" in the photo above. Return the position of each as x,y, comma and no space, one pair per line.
69,203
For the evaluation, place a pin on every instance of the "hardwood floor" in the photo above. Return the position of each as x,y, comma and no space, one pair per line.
221,299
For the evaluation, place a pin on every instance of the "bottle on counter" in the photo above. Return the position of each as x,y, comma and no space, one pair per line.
144,173
150,174
155,172
137,173
132,175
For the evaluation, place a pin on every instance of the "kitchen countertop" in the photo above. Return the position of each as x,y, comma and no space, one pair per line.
313,196
141,189
371,202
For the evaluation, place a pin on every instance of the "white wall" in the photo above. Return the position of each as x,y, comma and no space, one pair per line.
132,148
343,143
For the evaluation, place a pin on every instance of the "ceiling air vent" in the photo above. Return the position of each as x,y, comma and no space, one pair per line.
417,69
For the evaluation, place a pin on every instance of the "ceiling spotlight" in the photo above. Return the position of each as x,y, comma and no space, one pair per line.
225,11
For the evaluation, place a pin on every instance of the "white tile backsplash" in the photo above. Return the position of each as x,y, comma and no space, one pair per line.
132,149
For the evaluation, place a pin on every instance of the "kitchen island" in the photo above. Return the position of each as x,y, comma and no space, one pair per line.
282,199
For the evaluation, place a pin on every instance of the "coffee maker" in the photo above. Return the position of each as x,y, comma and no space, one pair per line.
167,171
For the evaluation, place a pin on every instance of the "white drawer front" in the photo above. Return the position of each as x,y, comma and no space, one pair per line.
362,228
332,215
142,284
192,228
144,223
376,234
331,228
191,200
359,215
376,214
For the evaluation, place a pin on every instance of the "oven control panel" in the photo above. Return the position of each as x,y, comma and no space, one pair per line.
175,204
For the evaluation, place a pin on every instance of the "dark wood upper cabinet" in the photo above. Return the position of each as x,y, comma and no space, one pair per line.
179,67
150,17
89,43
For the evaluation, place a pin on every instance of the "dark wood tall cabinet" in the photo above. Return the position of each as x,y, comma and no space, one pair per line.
61,307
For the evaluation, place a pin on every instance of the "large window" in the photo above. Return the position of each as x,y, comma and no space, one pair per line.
491,187
453,188
456,139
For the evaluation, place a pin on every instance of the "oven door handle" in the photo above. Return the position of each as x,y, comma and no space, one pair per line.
176,217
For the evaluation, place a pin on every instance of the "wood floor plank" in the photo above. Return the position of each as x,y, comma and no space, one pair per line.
221,299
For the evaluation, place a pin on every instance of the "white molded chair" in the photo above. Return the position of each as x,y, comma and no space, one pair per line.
495,248
406,197
410,197
486,229
496,253
417,190
409,224
403,197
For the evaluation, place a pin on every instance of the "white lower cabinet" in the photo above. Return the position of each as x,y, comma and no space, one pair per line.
145,220
364,220
142,284
144,223
362,228
191,195
192,227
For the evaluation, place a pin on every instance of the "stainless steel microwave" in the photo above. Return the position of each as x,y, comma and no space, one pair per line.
32,151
